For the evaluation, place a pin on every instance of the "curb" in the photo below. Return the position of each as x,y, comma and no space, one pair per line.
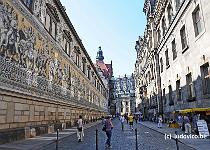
54,141
171,137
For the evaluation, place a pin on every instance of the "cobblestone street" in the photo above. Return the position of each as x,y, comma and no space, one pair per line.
121,140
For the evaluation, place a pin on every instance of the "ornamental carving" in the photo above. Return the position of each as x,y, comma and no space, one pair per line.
30,62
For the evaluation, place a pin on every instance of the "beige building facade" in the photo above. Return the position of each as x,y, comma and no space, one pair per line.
179,31
47,78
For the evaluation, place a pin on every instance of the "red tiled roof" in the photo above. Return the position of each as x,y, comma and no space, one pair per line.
105,68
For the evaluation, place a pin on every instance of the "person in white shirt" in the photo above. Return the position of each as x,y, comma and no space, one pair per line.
122,120
80,130
160,120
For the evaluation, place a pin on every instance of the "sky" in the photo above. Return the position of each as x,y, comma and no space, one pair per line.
112,24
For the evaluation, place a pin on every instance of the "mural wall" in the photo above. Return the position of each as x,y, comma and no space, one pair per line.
32,61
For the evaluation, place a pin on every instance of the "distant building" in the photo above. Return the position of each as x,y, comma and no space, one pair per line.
125,94
106,72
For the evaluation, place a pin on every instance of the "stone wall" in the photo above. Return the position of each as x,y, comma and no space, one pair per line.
23,116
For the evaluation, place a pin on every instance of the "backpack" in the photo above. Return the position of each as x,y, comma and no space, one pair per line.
104,128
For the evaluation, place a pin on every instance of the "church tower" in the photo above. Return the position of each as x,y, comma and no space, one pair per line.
99,56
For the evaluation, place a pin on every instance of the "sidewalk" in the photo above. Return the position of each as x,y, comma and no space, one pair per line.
198,144
38,142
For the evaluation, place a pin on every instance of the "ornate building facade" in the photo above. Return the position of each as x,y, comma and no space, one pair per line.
125,95
177,53
47,78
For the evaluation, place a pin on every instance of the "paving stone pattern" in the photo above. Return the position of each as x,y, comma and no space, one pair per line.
121,140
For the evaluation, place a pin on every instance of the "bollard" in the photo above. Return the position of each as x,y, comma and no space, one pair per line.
96,139
177,145
136,139
57,139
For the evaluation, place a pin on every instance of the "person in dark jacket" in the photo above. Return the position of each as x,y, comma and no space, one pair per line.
109,127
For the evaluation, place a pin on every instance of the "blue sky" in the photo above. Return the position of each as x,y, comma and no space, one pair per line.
112,24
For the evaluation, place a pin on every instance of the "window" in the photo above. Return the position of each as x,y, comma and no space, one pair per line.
89,72
205,76
95,83
190,87
47,22
167,58
66,45
161,65
174,49
28,4
51,20
152,72
183,38
159,35
171,102
67,42
177,4
197,21
77,59
51,25
178,91
163,26
122,109
149,77
126,103
170,13
164,96
83,65
53,29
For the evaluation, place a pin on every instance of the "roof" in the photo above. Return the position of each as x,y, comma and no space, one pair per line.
105,68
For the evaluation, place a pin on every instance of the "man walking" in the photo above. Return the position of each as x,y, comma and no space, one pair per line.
122,120
187,125
109,126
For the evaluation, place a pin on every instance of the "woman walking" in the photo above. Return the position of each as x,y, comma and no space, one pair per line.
109,126
80,132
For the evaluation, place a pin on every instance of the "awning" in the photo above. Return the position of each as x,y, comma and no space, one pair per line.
201,109
190,110
137,113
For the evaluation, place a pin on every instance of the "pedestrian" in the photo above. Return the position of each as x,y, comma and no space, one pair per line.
160,120
130,120
80,130
180,121
136,118
187,125
109,126
103,120
126,117
122,120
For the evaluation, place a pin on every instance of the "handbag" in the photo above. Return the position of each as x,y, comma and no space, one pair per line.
79,129
104,128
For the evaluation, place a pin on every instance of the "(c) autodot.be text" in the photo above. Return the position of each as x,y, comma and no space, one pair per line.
184,136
